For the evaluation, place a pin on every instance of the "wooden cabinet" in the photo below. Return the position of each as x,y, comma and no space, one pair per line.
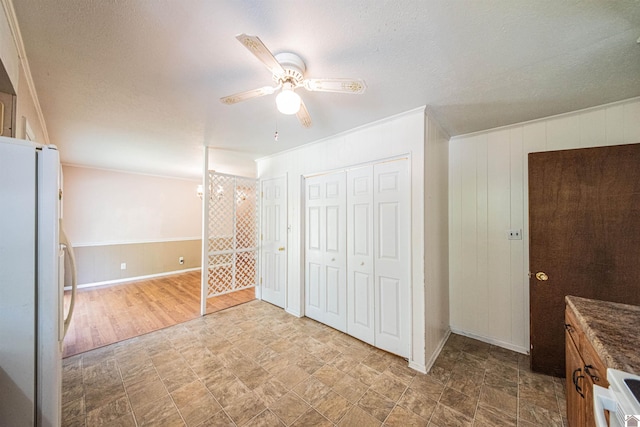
575,384
583,369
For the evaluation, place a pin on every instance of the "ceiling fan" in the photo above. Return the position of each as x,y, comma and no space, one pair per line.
288,74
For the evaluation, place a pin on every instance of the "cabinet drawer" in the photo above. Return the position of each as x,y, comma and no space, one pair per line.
572,327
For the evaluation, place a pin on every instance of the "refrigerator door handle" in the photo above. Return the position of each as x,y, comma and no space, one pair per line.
74,277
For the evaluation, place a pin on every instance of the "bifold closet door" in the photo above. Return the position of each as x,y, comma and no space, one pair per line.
360,260
325,255
391,218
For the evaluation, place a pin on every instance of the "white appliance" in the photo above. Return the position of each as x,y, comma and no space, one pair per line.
621,399
31,295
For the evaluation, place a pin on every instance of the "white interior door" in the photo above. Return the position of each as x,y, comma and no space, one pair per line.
360,261
392,254
273,235
325,254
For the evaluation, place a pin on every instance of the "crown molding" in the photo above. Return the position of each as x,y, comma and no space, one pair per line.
10,13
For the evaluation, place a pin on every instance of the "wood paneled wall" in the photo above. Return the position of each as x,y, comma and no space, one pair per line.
488,195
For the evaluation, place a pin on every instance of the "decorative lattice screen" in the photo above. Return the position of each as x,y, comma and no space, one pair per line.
231,233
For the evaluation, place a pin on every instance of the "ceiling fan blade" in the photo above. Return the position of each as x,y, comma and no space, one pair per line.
303,115
354,86
243,96
260,51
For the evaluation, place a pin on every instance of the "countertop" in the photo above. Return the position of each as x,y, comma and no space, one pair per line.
613,329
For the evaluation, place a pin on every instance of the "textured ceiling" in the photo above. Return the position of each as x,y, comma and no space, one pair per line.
134,85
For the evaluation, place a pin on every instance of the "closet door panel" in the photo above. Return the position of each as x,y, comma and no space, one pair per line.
325,255
390,307
333,292
392,267
335,255
360,293
333,230
362,309
313,220
314,280
314,253
388,230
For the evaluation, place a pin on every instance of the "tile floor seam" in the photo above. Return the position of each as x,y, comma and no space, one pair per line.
126,393
484,376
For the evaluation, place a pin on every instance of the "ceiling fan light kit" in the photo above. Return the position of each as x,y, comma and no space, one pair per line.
288,74
287,101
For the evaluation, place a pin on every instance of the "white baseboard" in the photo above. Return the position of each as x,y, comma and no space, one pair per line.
418,367
436,353
293,312
131,279
503,344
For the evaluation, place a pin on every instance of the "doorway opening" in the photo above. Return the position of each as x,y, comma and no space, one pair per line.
105,315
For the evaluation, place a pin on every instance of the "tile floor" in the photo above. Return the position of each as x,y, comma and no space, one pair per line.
255,365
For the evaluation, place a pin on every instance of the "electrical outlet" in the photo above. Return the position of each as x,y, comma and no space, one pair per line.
181,260
514,234
123,266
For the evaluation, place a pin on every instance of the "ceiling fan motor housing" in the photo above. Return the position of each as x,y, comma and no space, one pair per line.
294,69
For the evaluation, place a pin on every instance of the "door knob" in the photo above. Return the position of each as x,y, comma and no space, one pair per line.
542,276
281,248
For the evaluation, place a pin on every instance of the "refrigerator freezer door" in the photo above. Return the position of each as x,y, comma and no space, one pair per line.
49,388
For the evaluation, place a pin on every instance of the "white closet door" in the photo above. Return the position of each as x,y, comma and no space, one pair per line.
392,266
273,220
325,257
360,268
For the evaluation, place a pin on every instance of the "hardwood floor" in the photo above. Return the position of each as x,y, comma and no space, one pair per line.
108,314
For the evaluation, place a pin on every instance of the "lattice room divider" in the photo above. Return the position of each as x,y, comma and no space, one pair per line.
231,233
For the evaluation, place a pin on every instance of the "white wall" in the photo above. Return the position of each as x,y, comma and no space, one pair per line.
488,194
436,239
109,207
399,135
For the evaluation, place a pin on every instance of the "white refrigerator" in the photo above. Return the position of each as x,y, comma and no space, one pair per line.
31,292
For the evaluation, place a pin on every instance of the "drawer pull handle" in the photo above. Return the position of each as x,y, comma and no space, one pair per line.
594,378
575,379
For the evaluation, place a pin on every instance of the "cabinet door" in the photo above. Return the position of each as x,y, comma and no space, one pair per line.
575,379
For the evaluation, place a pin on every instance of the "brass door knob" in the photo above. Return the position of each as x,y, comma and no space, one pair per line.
281,248
542,276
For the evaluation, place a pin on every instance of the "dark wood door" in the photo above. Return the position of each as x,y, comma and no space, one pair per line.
584,228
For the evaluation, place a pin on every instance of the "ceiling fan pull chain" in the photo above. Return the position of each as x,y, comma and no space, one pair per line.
275,136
